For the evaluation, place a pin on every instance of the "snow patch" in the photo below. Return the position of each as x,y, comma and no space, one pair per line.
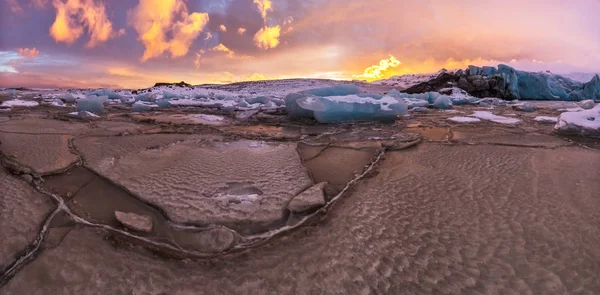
584,122
464,120
20,103
485,115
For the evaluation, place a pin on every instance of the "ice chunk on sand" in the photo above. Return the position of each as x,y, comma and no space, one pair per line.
545,119
443,103
348,108
587,104
83,114
525,107
464,120
67,97
20,103
583,123
139,107
93,104
485,115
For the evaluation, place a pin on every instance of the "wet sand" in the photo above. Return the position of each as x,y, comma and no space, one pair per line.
469,209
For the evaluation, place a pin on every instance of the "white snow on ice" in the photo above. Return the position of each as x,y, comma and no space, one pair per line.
20,103
485,115
583,122
464,120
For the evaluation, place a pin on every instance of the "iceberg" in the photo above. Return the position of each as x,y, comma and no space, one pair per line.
92,104
349,108
105,92
139,107
67,97
170,95
443,103
163,103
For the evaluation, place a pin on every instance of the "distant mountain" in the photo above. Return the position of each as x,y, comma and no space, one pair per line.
581,77
409,80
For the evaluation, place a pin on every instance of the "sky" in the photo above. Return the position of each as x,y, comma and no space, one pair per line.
135,43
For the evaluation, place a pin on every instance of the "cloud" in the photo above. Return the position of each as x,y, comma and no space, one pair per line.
29,53
241,31
223,48
198,59
155,20
39,3
73,16
10,61
223,28
267,37
14,6
264,6
378,71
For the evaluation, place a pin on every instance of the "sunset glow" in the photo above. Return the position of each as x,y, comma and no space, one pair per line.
132,43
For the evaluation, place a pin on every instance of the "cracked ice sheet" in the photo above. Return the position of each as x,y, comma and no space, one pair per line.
185,180
485,115
22,211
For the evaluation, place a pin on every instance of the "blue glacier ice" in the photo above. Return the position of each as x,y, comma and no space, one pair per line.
339,90
443,103
349,108
105,92
540,85
163,103
149,97
92,104
293,108
170,95
139,107
67,97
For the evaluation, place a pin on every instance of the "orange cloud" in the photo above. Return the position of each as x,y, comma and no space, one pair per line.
224,48
29,53
241,31
154,20
264,6
223,28
72,16
267,37
378,71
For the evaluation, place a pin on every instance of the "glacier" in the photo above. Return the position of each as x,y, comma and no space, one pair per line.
517,84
